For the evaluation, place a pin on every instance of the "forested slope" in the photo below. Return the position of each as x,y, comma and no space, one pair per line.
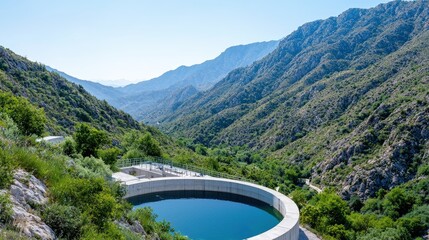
65,103
345,97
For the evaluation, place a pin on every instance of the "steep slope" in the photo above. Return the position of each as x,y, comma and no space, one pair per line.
100,91
167,105
144,100
65,103
347,95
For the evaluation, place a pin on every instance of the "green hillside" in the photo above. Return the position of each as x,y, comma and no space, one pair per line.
344,97
65,103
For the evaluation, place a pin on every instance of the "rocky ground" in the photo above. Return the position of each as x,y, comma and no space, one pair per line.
27,191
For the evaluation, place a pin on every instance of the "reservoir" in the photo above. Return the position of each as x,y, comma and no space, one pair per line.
209,215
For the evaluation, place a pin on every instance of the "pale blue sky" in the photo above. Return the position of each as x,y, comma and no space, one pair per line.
132,40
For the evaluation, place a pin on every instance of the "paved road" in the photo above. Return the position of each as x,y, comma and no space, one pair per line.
304,234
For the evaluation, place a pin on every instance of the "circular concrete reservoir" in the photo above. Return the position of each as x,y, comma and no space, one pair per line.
278,213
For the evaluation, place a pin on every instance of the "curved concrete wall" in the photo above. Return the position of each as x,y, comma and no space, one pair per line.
288,228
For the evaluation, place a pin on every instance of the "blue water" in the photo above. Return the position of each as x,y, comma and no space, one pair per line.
209,215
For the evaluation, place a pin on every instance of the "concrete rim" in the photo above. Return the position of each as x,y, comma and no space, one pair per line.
288,228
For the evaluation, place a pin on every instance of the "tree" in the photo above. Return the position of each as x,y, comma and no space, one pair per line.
66,221
109,156
326,209
88,139
149,145
68,147
397,203
29,119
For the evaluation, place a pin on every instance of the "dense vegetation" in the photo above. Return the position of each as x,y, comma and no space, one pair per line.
64,103
146,100
342,101
83,203
401,213
344,98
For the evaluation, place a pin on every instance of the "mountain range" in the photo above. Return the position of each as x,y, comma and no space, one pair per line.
346,97
342,103
335,95
146,100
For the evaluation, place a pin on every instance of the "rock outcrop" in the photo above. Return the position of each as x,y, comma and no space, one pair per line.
26,192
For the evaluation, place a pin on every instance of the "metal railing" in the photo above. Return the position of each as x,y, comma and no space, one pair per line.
187,167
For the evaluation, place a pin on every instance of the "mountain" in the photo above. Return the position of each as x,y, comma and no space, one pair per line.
100,91
167,105
203,76
65,103
345,97
145,100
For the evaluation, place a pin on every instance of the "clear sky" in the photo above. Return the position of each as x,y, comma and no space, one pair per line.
134,40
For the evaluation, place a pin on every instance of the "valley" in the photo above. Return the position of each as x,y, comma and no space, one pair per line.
334,115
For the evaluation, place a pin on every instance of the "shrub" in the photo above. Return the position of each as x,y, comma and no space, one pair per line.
397,203
5,208
89,139
417,221
386,234
66,221
29,119
91,167
6,170
326,209
149,145
8,127
109,156
69,147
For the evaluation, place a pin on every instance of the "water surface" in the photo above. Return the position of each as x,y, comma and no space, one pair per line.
202,215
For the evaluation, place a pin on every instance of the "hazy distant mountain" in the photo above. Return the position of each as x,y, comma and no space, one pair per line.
205,75
347,95
144,100
110,94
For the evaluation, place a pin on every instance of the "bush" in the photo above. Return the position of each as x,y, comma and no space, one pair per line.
133,153
148,220
109,156
397,203
386,234
149,145
29,119
103,209
89,139
6,170
417,221
301,196
66,221
69,147
423,170
93,197
5,208
326,209
8,127
91,167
